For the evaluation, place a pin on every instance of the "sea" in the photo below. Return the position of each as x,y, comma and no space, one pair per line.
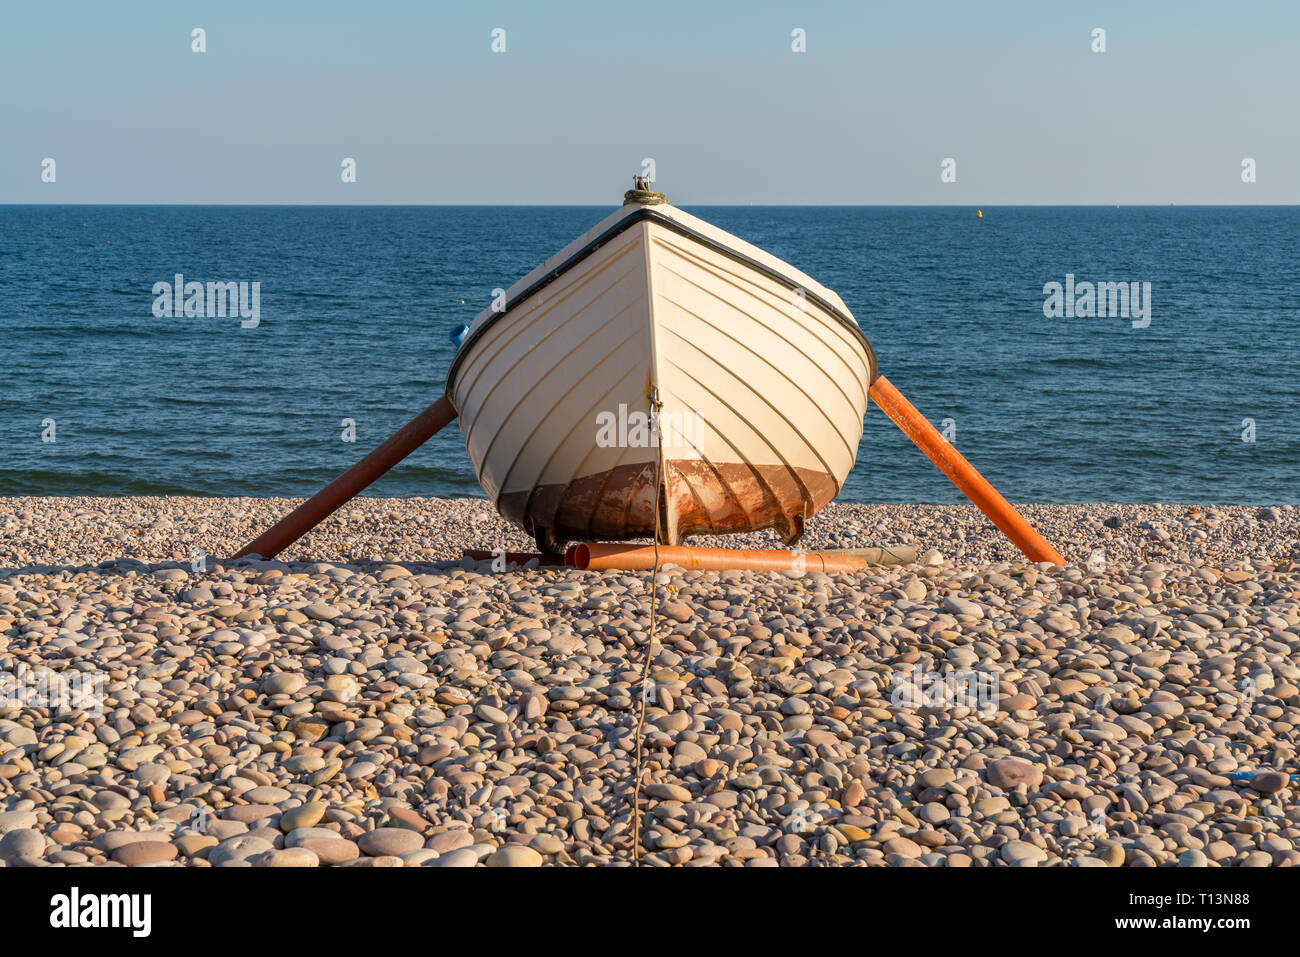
1190,394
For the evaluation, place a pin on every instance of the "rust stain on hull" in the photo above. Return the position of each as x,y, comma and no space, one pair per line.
699,498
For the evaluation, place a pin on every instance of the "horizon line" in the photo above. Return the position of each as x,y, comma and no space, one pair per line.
712,205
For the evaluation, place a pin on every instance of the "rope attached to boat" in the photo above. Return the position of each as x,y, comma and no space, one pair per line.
635,822
643,197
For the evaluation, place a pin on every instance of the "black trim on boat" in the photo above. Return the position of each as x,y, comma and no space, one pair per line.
649,212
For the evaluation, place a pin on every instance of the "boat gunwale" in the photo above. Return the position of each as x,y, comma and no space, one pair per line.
627,222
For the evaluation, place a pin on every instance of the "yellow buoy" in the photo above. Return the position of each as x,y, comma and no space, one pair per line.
979,214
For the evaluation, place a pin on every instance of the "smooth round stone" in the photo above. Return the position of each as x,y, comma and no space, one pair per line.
389,841
405,817
222,830
18,737
1111,853
16,820
1192,858
21,843
145,852
150,774
854,834
331,850
461,857
288,857
667,792
929,837
903,846
1269,782
306,815
854,794
934,813
320,611
547,844
268,834
110,841
963,656
961,606
1163,709
1022,852
304,764
1006,773
688,754
491,714
266,795
110,800
283,683
250,813
419,856
237,850
361,769
192,845
450,840
936,777
515,855
300,834
67,857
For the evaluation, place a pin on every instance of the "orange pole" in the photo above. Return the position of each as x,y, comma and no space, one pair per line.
598,556
954,465
321,505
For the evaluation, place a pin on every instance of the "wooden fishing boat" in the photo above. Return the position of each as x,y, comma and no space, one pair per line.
659,376
658,356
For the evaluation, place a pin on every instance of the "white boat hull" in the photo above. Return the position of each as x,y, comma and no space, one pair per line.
761,375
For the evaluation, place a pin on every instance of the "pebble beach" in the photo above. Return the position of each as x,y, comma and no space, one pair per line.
373,699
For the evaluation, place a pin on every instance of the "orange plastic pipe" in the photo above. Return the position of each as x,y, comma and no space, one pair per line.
597,556
321,505
954,465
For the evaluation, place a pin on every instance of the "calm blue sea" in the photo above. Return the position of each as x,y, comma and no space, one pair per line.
356,304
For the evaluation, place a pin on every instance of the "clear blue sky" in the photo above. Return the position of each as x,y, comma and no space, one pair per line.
711,91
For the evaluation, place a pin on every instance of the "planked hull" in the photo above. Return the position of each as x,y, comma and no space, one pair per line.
761,376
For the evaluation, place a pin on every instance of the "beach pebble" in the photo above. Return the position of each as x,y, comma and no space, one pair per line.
1007,773
450,840
145,852
22,842
237,850
515,855
385,841
305,815
288,857
462,857
16,821
330,850
321,611
1022,853
1269,782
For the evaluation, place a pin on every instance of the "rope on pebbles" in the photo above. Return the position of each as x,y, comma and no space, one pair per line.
635,822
